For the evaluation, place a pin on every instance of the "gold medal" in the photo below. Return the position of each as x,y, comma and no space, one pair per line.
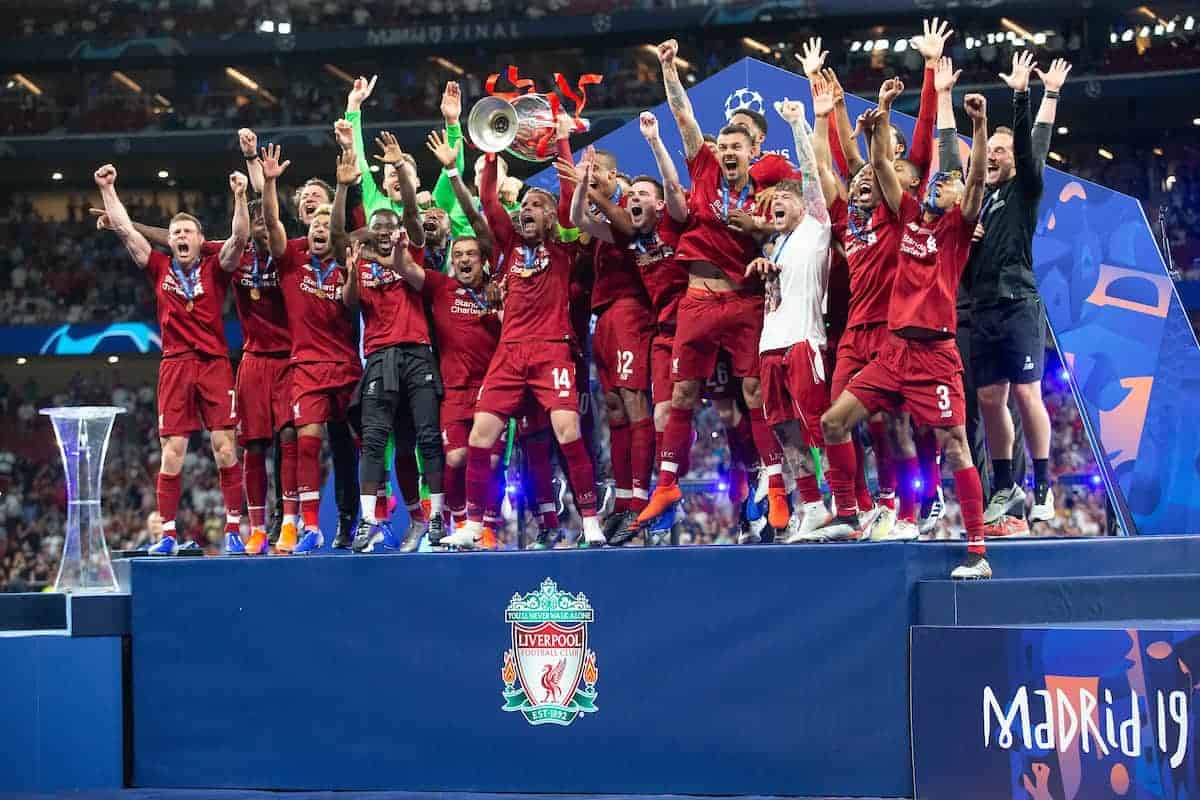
526,273
190,305
255,294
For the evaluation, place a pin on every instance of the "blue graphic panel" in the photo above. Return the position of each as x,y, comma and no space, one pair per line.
1117,319
1078,714
93,339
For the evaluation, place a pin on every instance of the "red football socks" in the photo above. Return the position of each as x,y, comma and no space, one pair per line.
168,501
620,440
287,477
479,481
906,490
842,467
677,440
231,493
308,479
583,481
885,469
642,455
970,500
808,490
254,471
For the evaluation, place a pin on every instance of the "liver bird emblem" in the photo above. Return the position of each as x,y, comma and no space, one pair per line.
551,675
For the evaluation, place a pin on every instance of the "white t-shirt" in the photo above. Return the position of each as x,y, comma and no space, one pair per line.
795,307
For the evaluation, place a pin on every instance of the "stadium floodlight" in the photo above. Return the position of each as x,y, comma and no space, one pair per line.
162,173
1105,154
1171,26
57,176
1170,183
1112,37
1127,36
1039,38
267,26
113,359
1056,157
970,42
1158,151
755,44
1144,32
855,46
22,361
1196,121
1063,130
1189,23
1159,30
901,45
285,28
882,44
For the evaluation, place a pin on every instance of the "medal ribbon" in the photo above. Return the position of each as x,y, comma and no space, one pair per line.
256,273
745,193
322,274
780,240
187,283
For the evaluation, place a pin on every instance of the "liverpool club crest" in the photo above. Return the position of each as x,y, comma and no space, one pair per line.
549,674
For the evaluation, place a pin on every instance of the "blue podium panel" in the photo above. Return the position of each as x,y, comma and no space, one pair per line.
1086,714
766,670
61,703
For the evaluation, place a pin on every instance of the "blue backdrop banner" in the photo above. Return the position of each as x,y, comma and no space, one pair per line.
1076,714
1117,319
93,339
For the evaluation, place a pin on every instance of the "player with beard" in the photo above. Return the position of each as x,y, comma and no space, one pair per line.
649,244
400,389
1007,341
792,345
195,379
325,365
918,366
534,356
264,383
718,310
621,339
766,169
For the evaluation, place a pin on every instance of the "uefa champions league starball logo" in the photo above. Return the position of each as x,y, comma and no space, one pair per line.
743,98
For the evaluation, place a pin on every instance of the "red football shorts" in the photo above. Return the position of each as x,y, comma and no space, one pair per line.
621,345
795,386
856,348
923,378
546,370
322,390
457,415
712,321
264,392
195,390
721,385
660,366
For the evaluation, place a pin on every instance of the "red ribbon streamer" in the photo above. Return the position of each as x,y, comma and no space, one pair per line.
580,99
514,77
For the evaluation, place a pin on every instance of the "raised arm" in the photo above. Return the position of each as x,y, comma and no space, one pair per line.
231,250
412,272
449,155
976,106
135,243
944,80
677,99
347,173
676,200
407,180
580,215
566,182
373,197
882,149
248,141
816,194
1029,172
350,292
272,169
157,237
1043,126
497,218
930,44
843,142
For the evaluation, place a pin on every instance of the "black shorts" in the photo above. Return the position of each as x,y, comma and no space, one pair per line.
1008,343
400,390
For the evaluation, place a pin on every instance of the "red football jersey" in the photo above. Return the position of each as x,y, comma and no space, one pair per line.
259,302
928,271
770,169
318,321
653,256
871,253
391,308
467,329
616,275
707,237
537,281
200,328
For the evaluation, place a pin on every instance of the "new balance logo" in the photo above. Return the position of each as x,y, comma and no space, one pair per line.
1028,364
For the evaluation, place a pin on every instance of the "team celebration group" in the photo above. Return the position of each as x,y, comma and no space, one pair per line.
801,298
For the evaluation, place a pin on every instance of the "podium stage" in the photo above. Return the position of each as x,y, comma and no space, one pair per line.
755,670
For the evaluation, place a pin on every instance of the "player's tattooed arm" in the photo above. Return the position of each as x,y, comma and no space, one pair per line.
976,106
677,99
881,145
815,192
272,169
231,250
676,200
135,243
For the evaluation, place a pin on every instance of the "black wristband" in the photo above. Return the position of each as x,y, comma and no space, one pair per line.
1022,93
253,157
1052,94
